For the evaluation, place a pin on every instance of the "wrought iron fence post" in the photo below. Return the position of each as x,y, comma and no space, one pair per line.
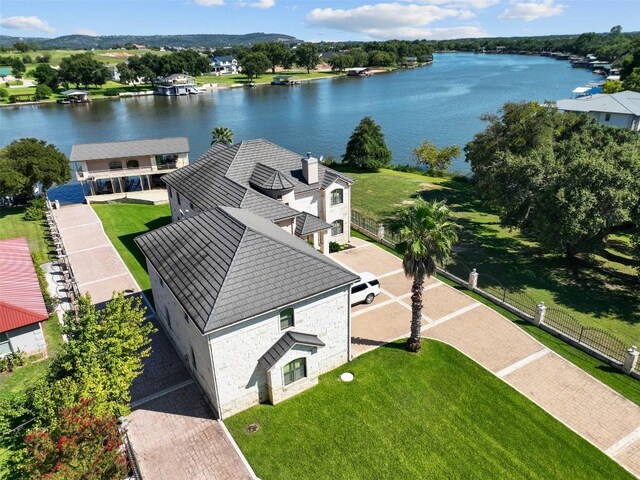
580,337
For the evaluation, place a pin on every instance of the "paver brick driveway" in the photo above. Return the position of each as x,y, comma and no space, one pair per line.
590,408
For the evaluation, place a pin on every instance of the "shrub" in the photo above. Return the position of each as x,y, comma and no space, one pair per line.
4,92
336,247
36,209
9,362
12,98
43,92
111,92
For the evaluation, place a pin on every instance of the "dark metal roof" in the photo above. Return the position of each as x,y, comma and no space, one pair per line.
307,224
222,266
205,184
135,148
284,344
223,173
267,178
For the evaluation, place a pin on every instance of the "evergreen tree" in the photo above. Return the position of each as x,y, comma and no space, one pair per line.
366,149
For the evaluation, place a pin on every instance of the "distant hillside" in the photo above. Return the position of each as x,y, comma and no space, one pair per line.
82,42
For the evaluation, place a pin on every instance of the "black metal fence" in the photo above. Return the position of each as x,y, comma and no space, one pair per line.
556,320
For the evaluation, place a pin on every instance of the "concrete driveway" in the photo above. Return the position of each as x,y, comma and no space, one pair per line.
593,410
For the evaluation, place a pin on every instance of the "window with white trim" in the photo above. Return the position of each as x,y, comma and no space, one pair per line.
337,196
286,318
294,371
337,227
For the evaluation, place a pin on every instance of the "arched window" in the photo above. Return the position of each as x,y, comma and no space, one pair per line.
294,371
115,165
337,196
286,318
337,227
133,164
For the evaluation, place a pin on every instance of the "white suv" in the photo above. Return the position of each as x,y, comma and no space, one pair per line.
366,289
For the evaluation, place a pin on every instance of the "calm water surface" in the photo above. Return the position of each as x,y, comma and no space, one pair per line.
441,102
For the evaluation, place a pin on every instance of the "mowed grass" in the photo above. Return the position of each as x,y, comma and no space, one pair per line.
600,292
123,222
435,415
13,224
265,77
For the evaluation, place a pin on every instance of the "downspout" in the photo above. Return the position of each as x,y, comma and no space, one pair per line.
349,323
215,378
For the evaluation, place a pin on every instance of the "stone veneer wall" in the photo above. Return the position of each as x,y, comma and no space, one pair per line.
242,382
184,335
341,211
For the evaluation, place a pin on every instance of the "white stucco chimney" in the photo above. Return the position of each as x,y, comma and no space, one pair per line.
310,169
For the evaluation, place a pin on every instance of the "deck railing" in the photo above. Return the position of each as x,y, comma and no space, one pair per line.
123,172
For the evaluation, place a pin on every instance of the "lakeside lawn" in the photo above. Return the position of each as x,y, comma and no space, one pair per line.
265,77
601,292
435,414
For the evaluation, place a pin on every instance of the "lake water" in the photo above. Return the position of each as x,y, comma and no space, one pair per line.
442,102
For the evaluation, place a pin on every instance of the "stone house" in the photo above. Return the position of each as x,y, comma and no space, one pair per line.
22,308
256,313
296,192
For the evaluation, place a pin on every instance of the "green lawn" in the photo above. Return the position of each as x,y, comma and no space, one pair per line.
13,224
125,221
436,415
264,78
601,292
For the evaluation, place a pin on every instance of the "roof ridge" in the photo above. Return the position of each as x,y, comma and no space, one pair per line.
308,252
622,104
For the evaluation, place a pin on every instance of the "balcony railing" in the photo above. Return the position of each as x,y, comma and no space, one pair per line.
124,172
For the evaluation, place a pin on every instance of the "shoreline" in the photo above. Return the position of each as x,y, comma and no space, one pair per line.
224,86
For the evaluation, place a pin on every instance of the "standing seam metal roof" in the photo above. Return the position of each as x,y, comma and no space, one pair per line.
135,148
222,266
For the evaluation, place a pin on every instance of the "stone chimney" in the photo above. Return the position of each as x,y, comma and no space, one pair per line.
310,169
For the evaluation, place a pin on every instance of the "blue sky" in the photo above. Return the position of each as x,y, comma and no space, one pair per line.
318,20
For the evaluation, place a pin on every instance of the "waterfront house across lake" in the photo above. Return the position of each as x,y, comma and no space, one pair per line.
620,109
176,84
130,166
224,65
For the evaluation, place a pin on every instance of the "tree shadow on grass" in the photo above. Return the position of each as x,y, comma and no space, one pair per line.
518,263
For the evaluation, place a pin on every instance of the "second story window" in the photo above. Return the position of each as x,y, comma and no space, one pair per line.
133,164
337,227
286,318
115,165
337,196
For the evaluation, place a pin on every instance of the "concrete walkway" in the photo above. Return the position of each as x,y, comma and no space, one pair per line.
596,412
172,431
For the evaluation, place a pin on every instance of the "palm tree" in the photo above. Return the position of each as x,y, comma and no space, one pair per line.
429,234
222,135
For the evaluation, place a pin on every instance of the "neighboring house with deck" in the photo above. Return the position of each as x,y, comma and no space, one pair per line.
130,166
620,109
22,308
256,312
296,192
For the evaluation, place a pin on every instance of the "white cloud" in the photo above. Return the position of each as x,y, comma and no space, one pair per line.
210,3
86,31
26,23
264,4
529,11
382,16
413,33
475,4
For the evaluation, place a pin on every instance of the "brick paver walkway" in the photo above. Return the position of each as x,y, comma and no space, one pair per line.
171,429
587,406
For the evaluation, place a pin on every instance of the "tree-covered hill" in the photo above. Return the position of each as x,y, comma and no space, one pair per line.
82,42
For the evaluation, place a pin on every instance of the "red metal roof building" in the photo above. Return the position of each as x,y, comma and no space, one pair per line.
21,302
